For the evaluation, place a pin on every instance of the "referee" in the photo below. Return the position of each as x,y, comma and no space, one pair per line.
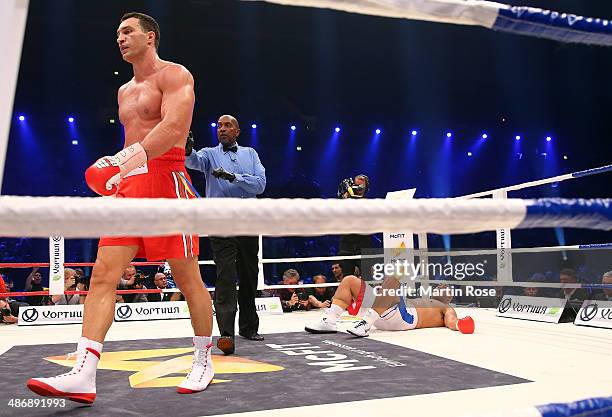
234,171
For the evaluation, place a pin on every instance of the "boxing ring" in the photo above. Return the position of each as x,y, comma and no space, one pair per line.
505,369
506,364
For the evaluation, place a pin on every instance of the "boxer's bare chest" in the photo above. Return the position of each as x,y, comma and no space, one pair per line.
140,103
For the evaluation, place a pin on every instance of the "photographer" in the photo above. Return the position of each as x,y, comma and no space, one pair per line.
320,297
293,299
70,284
133,280
353,188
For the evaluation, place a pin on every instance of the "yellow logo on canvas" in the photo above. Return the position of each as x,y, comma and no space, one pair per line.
150,367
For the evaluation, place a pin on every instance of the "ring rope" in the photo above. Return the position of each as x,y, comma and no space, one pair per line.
79,217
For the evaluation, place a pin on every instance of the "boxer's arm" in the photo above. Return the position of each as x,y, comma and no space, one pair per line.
178,98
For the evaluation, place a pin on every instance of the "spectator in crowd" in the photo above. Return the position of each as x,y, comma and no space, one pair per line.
6,314
70,284
320,297
574,296
7,280
132,280
161,283
606,294
534,291
293,299
530,291
443,293
337,271
34,283
139,284
82,285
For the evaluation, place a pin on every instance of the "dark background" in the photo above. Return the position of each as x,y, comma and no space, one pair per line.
277,66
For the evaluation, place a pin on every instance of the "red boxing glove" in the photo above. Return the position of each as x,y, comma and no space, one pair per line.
104,175
466,325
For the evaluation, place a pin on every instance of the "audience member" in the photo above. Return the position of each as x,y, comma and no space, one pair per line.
7,280
70,284
606,294
293,299
574,296
6,315
535,291
34,283
443,293
337,271
132,280
161,283
320,297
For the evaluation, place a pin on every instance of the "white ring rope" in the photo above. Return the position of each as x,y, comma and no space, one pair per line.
77,217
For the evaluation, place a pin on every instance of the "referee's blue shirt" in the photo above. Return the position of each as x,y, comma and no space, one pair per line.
245,164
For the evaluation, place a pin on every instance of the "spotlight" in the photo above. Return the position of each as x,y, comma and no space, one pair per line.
517,137
469,154
337,129
111,121
414,133
565,157
378,131
299,148
116,72
548,138
293,127
213,124
75,142
484,136
254,126
449,135
71,119
22,118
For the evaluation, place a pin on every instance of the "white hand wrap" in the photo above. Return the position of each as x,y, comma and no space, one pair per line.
130,158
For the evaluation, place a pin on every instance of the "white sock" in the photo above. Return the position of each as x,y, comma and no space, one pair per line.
371,316
333,313
92,364
201,342
85,343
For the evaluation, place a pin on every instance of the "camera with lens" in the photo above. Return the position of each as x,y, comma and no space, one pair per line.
139,280
354,187
84,280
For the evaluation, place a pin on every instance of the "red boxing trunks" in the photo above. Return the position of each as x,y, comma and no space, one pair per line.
162,177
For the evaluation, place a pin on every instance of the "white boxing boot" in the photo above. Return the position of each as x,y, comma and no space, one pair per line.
323,326
202,372
80,383
362,328
328,324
